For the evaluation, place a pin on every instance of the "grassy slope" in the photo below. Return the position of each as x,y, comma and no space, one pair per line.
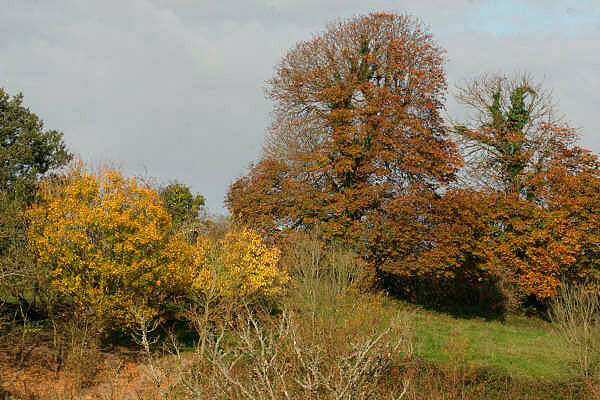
525,348
522,347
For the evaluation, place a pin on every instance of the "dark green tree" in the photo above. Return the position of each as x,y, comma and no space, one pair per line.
27,150
181,203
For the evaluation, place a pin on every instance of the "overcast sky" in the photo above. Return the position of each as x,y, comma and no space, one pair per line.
173,89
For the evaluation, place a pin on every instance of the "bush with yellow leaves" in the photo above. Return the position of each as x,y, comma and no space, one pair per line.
240,264
106,244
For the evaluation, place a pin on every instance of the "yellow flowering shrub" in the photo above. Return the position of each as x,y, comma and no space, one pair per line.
240,264
103,240
106,244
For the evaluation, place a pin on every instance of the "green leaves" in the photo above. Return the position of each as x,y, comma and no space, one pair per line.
27,151
180,203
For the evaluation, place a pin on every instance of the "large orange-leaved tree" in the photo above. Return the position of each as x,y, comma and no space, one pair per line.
356,123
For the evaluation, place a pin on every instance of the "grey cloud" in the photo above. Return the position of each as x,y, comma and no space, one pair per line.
563,64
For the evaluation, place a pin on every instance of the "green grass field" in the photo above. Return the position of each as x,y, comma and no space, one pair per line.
522,347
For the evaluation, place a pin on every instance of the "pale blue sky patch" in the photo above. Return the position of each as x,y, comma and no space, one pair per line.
511,16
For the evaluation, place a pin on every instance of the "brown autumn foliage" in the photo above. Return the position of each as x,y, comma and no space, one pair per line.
357,123
428,247
542,184
499,245
565,245
358,147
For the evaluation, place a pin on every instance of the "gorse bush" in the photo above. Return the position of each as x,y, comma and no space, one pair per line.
106,243
103,239
240,264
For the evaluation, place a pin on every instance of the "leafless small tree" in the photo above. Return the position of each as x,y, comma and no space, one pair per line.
141,333
281,362
576,316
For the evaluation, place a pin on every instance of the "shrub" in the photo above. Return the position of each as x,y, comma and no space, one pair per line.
575,313
240,264
16,272
322,272
103,240
289,358
106,243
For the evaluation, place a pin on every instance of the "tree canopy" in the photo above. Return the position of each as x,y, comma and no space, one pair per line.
27,150
359,148
181,204
356,123
513,133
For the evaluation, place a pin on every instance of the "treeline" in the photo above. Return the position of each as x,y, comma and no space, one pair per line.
497,210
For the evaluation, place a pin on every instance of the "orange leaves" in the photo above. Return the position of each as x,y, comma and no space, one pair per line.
543,243
425,235
357,120
359,147
478,237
